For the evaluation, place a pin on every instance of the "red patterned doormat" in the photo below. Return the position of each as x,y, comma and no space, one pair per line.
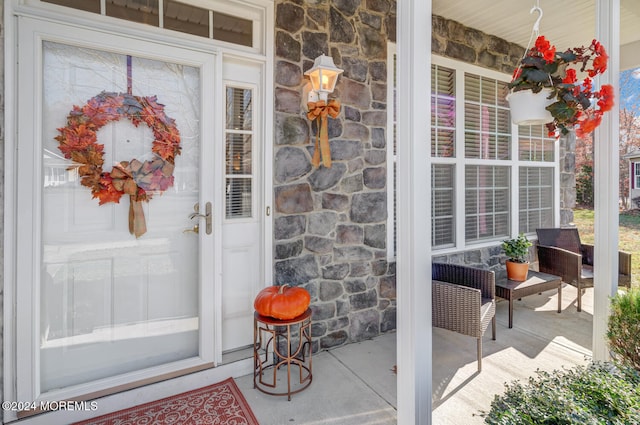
218,404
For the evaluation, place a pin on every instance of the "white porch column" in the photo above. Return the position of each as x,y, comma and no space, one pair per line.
606,177
414,212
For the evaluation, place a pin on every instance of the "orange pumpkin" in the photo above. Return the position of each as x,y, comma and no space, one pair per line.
282,302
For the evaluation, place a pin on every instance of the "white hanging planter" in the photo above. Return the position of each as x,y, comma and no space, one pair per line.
528,108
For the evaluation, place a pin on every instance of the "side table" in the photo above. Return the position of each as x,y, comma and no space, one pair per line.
279,346
536,282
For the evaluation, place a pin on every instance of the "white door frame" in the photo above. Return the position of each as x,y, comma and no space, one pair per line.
12,9
32,34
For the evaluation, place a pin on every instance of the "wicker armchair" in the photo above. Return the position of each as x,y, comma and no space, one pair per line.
464,301
561,253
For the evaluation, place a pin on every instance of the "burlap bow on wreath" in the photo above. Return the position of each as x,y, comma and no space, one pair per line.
319,111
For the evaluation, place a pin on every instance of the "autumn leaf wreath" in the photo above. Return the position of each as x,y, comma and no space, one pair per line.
140,180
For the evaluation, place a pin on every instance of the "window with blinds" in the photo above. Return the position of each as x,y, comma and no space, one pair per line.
487,121
443,205
476,160
239,153
487,203
636,173
536,206
535,144
443,111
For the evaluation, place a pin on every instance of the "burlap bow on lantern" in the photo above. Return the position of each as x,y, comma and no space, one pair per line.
320,110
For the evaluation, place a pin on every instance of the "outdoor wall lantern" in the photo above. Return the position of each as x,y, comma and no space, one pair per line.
323,77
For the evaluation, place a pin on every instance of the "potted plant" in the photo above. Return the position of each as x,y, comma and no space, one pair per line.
548,75
517,252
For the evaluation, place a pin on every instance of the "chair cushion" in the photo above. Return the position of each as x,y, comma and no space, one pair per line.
586,273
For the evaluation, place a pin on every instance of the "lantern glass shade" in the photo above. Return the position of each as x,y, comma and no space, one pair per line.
323,75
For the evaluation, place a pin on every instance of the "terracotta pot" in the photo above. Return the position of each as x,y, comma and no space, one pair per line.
517,271
528,108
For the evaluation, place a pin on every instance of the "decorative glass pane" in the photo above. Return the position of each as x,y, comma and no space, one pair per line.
446,143
489,91
239,109
177,16
145,12
443,109
503,91
238,197
534,144
471,88
238,158
88,5
239,151
443,205
486,202
232,29
472,117
471,145
186,18
536,198
484,114
504,121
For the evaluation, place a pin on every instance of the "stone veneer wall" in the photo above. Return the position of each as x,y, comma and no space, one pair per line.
454,40
330,223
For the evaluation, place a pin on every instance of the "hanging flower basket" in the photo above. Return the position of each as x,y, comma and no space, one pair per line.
574,104
529,108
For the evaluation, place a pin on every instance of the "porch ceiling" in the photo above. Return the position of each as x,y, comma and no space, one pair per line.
566,24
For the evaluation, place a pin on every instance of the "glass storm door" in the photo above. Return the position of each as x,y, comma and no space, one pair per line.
112,303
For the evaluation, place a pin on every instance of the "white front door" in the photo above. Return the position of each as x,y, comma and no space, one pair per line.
97,306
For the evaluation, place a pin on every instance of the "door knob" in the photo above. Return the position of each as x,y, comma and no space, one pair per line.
195,229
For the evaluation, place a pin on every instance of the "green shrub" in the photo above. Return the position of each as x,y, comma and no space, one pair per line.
623,331
595,394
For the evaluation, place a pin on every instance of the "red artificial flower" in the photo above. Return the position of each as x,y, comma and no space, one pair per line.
599,64
570,77
587,126
549,55
542,44
605,103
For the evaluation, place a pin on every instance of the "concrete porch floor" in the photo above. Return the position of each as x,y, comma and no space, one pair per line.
355,384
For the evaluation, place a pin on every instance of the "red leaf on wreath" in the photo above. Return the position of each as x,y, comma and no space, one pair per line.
107,192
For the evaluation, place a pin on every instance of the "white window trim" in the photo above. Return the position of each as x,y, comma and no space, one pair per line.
258,11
